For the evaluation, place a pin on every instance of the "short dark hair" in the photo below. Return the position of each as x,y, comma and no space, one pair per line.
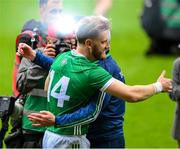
42,2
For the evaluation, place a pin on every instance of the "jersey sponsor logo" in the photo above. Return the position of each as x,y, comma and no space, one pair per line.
63,62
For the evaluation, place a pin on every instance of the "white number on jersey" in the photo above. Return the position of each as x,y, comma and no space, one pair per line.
61,94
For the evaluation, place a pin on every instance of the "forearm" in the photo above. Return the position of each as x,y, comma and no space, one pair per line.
140,92
83,116
43,60
131,93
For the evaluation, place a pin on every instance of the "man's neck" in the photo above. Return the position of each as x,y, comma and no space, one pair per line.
83,51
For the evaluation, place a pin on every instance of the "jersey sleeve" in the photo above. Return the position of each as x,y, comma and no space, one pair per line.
100,79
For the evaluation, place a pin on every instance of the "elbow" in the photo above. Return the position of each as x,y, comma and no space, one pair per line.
132,99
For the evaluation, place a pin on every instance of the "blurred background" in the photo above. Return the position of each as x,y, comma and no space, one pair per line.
147,124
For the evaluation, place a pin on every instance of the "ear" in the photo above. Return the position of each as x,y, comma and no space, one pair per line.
88,43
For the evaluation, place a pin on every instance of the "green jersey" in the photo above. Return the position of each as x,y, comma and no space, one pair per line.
73,80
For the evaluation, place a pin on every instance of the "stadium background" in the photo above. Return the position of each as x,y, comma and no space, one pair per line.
147,124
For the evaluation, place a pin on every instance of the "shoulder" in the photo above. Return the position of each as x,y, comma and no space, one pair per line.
61,58
110,64
97,70
177,62
111,60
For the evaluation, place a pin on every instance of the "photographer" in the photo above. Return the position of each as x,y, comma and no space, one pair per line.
30,77
30,81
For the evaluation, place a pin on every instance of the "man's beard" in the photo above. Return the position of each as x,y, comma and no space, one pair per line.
98,54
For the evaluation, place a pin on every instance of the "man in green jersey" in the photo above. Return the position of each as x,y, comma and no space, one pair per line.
75,77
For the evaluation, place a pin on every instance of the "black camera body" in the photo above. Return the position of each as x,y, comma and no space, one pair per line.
6,106
60,46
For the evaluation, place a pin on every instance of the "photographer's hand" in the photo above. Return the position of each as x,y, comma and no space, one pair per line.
26,51
41,119
49,51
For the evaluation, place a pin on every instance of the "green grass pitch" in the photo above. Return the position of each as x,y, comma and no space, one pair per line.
147,124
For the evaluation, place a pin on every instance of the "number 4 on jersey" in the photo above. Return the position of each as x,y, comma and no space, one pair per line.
59,91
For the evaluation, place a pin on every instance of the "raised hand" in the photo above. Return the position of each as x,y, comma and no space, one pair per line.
26,51
165,82
49,50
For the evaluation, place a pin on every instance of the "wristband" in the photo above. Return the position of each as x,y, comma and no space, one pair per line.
158,87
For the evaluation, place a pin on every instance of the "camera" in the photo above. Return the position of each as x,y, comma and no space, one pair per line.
60,46
6,106
9,106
